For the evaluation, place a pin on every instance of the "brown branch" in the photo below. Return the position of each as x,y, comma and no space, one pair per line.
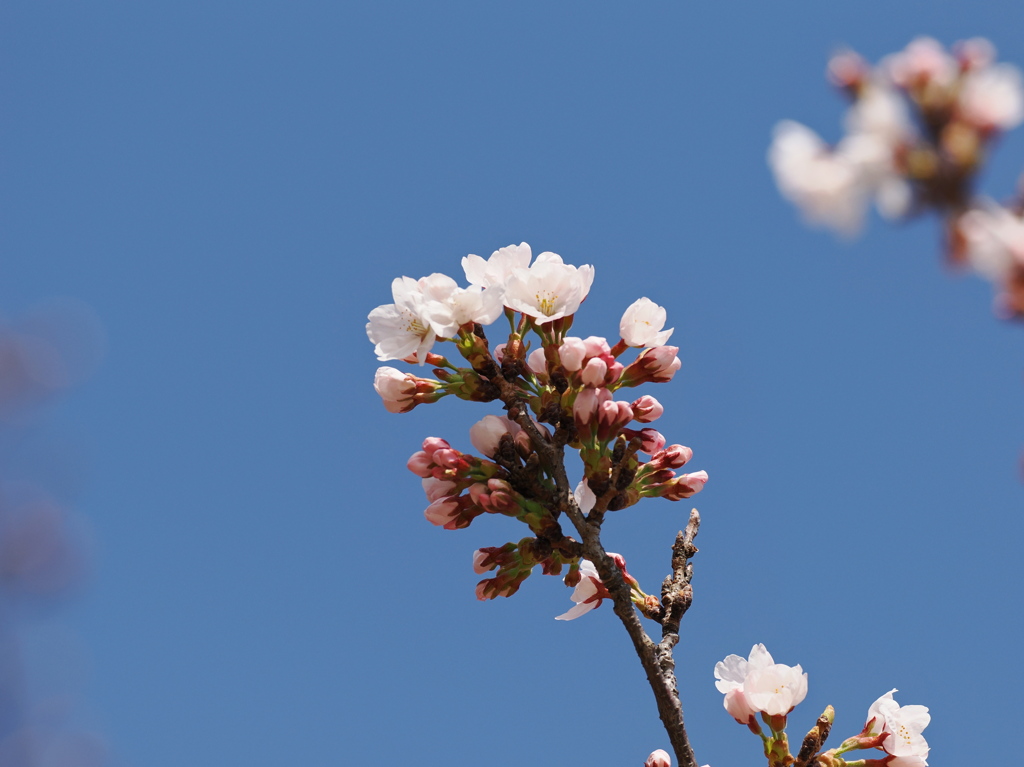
656,659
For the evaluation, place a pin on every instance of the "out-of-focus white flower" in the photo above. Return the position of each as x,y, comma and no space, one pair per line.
880,111
992,98
588,594
419,316
758,684
923,62
993,240
904,725
975,53
828,189
549,289
642,323
495,271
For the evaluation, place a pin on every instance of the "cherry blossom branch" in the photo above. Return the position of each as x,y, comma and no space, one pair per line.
656,659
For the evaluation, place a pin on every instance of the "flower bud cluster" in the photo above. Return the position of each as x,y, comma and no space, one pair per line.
558,391
918,130
757,687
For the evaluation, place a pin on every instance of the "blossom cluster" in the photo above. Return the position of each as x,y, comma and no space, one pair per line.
558,391
918,130
758,687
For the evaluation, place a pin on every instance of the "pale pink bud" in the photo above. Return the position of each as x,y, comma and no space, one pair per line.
431,444
976,53
419,463
646,409
739,707
594,372
537,363
686,485
572,353
479,559
481,589
487,432
662,362
498,352
672,457
652,440
437,488
447,458
596,346
612,416
477,490
587,403
642,323
442,511
847,69
658,759
395,388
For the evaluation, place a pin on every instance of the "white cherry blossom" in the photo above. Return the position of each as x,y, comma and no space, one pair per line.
993,239
642,323
549,289
417,318
758,684
495,271
395,388
826,186
904,725
587,595
992,98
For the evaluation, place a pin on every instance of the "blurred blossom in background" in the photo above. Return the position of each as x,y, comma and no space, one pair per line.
44,551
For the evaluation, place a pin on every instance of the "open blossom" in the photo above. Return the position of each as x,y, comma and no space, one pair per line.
758,684
642,323
904,725
549,289
923,62
588,594
826,186
419,316
992,98
495,271
993,239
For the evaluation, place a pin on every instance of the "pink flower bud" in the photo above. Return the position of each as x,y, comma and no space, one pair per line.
431,444
395,388
437,488
652,441
662,362
537,362
594,372
498,352
480,558
419,463
481,589
597,346
571,353
672,457
477,490
612,417
447,458
658,759
685,485
587,403
442,511
487,432
646,409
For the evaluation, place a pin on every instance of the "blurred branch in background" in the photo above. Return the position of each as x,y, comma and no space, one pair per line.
43,547
919,130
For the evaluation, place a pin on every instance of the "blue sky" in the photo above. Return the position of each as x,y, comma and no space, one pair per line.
231,187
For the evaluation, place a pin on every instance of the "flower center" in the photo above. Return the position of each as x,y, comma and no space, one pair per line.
546,302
